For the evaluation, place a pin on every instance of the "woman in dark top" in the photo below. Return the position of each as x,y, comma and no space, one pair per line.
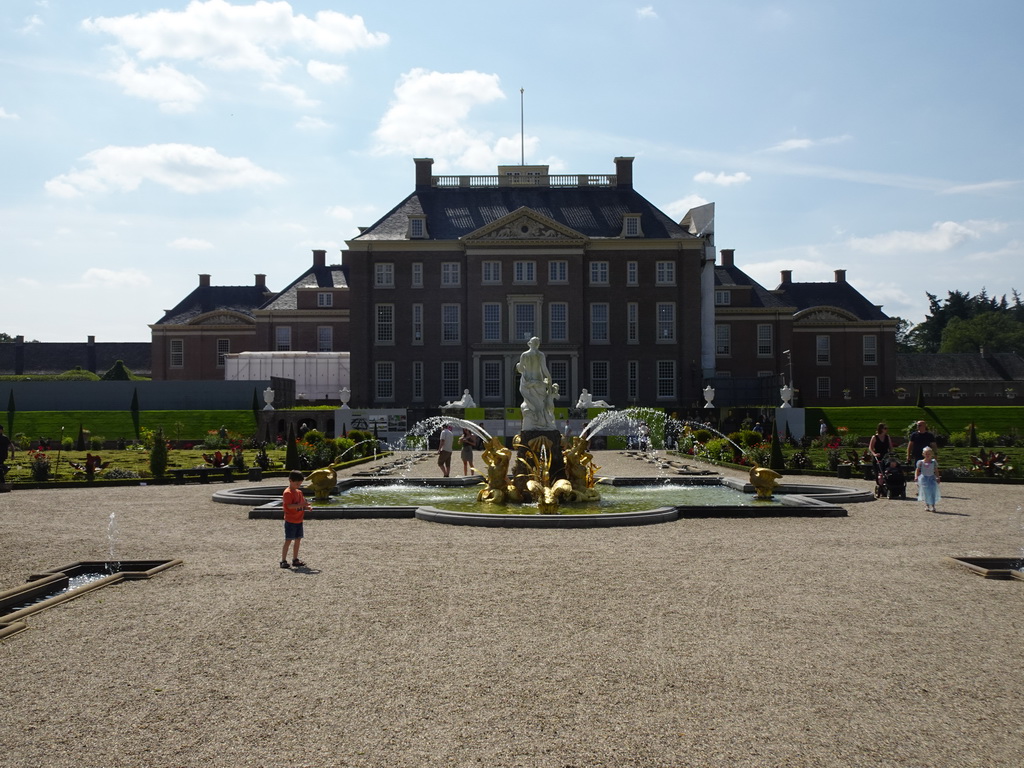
881,444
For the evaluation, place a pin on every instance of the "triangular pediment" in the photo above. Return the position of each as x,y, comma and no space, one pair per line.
525,225
221,317
825,315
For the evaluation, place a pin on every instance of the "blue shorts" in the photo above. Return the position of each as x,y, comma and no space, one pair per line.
292,531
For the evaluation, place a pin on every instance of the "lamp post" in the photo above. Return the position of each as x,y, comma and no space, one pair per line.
786,393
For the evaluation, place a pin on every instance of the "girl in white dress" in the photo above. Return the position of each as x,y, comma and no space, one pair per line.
927,478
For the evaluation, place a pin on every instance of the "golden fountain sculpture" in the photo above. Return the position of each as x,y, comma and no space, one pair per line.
764,481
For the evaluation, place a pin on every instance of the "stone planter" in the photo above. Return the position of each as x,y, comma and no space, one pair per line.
255,475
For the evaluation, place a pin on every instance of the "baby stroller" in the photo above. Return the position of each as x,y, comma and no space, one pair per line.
891,482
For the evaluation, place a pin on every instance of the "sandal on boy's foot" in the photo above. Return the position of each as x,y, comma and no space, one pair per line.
298,564
284,564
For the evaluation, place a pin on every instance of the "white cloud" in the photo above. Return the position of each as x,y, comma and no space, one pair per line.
647,12
427,117
190,244
175,91
805,270
942,236
791,145
5,115
181,167
679,208
722,179
256,38
109,278
293,93
32,23
326,73
308,123
985,186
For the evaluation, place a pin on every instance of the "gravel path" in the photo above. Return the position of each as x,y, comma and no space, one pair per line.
755,642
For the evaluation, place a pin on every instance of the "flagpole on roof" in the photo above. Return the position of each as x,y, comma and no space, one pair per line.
522,135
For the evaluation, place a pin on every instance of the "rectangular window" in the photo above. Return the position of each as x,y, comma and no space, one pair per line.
283,338
324,299
417,274
633,380
451,324
599,323
324,338
417,323
385,330
525,321
177,353
560,375
870,350
599,273
525,272
870,386
384,384
665,273
633,322
491,371
223,349
451,380
558,271
492,321
723,340
823,346
451,274
631,225
384,275
558,321
490,273
765,340
599,378
417,227
417,380
632,273
723,298
824,386
666,322
666,379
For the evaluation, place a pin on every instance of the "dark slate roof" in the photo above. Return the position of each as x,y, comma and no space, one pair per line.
453,212
208,298
330,276
960,367
734,277
53,357
837,294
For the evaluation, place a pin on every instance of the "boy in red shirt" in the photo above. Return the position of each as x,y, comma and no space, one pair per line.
295,508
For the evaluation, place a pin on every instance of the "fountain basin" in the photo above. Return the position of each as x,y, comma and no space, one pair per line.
791,501
993,567
48,588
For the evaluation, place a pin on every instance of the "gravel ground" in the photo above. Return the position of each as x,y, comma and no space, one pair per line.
752,642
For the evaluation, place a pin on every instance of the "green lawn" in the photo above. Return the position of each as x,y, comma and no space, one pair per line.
942,419
111,425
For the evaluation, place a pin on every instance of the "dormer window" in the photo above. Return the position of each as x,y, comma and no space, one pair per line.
631,225
417,227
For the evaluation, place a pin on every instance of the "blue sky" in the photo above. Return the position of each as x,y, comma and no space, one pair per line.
143,143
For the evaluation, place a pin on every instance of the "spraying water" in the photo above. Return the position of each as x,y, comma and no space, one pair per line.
114,564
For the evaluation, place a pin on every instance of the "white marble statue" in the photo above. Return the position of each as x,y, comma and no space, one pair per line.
537,389
587,401
466,401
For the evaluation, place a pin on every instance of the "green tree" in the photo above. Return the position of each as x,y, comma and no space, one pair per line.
118,372
135,411
291,453
993,331
158,454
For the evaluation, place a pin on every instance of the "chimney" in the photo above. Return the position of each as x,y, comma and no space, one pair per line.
624,172
423,171
727,256
319,258
204,281
261,281
787,276
90,354
840,275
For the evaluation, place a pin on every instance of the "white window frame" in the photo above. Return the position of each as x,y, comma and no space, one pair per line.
524,272
600,379
869,349
870,386
823,386
492,378
631,225
384,274
823,349
600,323
517,327
559,370
490,273
632,273
451,274
417,324
451,380
416,275
558,321
324,299
666,378
633,380
417,227
417,380
765,340
633,322
451,324
599,273
324,338
176,353
665,311
384,324
723,340
558,272
490,315
384,381
665,273
283,338
223,350
723,298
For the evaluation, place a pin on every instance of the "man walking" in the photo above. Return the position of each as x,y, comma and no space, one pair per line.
918,441
444,450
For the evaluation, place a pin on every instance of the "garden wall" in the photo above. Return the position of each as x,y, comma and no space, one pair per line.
117,395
